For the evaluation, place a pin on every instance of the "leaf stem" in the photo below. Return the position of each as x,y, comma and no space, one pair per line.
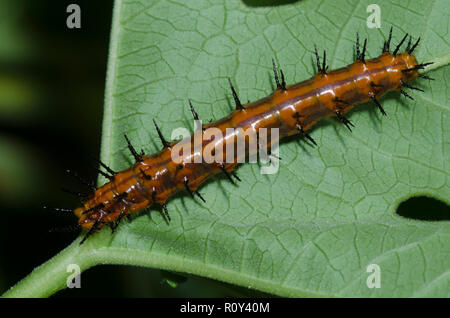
51,276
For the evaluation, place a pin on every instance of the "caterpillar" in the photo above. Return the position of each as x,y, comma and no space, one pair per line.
292,109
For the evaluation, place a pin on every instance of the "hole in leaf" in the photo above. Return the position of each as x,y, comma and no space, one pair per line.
425,209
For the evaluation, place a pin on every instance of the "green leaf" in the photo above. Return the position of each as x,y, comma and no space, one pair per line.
314,227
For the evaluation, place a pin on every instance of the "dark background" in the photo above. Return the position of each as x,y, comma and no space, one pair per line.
51,95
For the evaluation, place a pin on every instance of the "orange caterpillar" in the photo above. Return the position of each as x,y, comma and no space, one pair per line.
293,109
